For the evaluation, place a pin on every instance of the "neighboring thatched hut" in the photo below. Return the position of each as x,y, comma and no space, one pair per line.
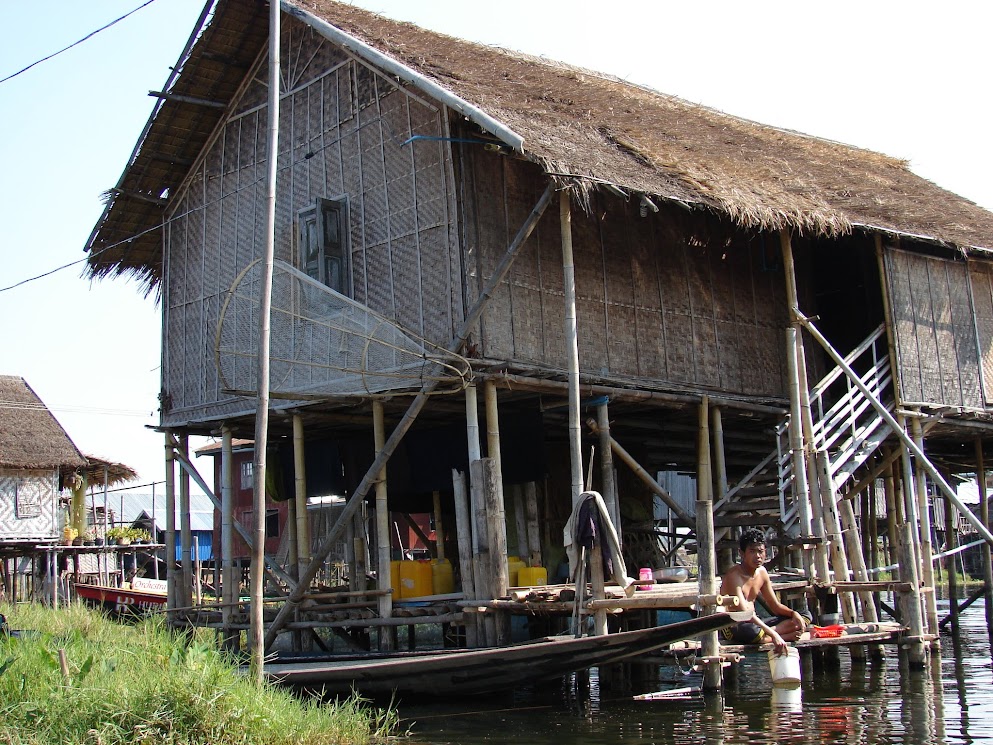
36,454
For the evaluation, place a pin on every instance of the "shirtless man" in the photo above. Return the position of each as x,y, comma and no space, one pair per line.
749,580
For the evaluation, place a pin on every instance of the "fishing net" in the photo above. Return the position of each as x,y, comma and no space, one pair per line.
323,343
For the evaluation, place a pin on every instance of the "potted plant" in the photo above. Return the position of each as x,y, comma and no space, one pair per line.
140,535
89,537
119,535
69,535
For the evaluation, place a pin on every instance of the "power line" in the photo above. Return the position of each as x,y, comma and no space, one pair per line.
75,43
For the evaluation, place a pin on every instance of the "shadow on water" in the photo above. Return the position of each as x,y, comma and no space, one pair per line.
840,701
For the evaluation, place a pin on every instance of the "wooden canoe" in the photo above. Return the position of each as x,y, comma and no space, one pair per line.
474,671
121,602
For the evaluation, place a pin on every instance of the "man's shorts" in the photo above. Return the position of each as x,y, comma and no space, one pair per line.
749,632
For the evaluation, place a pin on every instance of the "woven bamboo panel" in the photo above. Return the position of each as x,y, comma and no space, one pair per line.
935,329
981,280
28,504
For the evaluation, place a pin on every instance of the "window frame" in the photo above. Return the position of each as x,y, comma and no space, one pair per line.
317,214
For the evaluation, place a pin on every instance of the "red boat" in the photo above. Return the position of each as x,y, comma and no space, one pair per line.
122,601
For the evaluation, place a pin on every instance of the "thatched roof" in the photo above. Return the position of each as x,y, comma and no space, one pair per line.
30,437
116,473
572,121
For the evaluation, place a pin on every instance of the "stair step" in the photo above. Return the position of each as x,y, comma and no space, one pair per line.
753,505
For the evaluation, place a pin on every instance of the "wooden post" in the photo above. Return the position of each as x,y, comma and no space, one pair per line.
520,523
300,495
706,557
186,534
953,580
534,532
439,528
832,532
924,516
984,517
596,588
893,517
463,529
724,556
801,489
383,557
910,567
607,479
571,345
475,453
173,599
229,582
496,530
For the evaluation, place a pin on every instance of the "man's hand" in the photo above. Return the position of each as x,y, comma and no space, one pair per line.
781,646
801,622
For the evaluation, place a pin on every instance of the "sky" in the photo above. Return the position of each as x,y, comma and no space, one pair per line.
909,79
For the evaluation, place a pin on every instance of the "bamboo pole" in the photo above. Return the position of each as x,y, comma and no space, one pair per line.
571,345
724,558
420,400
475,453
706,556
257,635
893,518
382,525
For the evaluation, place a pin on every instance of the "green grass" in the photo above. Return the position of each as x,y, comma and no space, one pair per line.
143,684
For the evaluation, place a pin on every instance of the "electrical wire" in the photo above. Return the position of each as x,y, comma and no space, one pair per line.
76,43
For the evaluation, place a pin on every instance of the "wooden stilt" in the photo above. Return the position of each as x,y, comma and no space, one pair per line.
724,557
984,517
607,480
706,557
172,580
186,533
463,529
229,580
534,533
910,571
385,601
832,529
953,580
924,517
300,495
520,522
801,488
893,516
499,584
439,526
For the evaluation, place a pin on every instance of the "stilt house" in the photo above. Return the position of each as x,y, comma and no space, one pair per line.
636,284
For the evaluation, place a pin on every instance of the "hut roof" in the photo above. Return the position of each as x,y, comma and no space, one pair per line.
571,121
30,436
100,471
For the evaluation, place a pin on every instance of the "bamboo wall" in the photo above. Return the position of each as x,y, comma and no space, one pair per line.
344,131
937,328
670,298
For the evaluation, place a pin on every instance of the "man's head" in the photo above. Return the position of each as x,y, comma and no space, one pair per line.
749,537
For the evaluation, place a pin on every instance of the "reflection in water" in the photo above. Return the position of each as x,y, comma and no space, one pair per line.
839,701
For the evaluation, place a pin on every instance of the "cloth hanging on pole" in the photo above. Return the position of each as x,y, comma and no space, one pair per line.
590,523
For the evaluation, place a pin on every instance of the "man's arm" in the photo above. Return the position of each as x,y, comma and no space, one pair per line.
772,602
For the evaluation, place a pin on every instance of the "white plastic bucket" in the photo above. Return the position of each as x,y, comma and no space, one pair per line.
788,697
785,668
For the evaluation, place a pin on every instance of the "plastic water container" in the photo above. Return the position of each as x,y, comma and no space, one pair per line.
788,697
514,567
531,576
785,668
442,578
415,578
645,575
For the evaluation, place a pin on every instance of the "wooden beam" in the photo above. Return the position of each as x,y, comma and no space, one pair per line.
188,99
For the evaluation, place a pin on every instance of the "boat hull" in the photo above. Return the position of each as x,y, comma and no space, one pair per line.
120,602
475,671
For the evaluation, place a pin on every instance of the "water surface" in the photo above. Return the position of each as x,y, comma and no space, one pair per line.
841,701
